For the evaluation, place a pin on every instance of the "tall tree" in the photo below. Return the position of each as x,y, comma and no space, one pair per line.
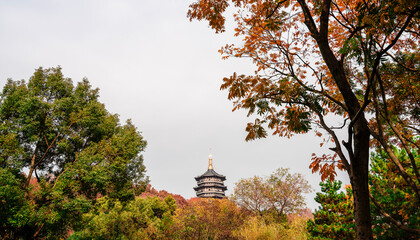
64,150
329,57
281,193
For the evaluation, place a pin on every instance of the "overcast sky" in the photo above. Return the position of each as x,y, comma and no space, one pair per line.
155,67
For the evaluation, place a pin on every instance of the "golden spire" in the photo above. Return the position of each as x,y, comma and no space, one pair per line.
210,160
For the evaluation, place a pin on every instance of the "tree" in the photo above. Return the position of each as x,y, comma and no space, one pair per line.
162,194
142,218
250,194
64,150
207,218
257,227
357,60
334,218
395,205
14,208
281,193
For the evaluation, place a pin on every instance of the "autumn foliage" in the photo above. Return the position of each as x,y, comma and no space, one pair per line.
203,218
334,67
275,197
70,170
162,194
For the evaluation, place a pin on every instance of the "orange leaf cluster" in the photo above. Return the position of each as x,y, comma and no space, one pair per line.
326,165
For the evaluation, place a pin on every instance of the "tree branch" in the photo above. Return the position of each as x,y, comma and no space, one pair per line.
381,139
395,222
35,164
407,22
324,18
309,21
337,149
275,9
396,162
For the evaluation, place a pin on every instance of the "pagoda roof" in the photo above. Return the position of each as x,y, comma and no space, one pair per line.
210,173
213,195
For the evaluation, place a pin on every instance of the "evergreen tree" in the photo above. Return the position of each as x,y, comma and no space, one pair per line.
395,206
334,218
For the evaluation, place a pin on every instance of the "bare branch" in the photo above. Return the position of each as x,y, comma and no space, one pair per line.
342,126
337,148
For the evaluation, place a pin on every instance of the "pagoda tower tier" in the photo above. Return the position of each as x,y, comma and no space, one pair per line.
210,184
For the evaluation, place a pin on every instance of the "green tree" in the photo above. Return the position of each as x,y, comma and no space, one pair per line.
15,209
334,218
395,205
279,194
74,151
142,218
316,59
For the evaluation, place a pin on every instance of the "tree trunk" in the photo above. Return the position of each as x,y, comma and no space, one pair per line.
359,180
359,161
32,168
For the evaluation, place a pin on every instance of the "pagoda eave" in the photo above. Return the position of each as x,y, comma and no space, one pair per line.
224,188
211,195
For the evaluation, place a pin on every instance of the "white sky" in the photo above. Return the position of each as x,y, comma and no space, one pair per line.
152,65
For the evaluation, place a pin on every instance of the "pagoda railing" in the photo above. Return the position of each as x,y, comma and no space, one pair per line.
211,184
210,191
209,180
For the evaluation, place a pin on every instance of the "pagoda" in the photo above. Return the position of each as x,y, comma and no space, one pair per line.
210,184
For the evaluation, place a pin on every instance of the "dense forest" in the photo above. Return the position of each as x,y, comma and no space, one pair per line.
346,70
